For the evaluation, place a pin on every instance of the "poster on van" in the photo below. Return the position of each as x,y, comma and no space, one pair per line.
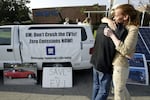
52,45
138,73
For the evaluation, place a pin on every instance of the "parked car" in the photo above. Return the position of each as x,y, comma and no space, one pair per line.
19,73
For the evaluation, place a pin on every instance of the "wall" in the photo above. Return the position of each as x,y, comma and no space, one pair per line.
57,15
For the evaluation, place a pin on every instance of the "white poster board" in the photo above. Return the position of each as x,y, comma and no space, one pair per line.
138,70
51,45
57,77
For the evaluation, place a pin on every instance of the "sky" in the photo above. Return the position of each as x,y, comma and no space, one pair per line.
64,3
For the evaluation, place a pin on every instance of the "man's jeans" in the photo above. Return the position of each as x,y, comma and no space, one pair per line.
101,85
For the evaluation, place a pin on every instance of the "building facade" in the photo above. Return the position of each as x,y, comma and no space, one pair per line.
57,15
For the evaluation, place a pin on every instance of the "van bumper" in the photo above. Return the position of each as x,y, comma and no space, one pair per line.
83,65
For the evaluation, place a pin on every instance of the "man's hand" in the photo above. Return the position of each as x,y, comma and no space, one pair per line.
108,32
110,23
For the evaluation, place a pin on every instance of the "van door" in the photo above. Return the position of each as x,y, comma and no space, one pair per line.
8,51
86,45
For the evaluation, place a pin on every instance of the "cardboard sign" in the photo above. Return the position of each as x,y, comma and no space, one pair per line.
57,77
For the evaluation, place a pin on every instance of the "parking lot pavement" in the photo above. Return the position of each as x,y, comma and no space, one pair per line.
140,94
137,93
81,90
134,98
31,96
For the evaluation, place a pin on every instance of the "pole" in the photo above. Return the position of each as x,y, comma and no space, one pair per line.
143,14
110,7
111,4
128,1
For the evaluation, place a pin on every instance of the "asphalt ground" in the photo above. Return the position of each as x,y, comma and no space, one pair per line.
81,90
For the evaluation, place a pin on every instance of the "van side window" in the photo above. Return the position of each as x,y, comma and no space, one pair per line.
5,36
83,34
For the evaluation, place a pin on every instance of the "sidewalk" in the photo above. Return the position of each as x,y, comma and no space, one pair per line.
31,96
137,92
81,90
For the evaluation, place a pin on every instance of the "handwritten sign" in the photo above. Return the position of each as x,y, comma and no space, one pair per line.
57,77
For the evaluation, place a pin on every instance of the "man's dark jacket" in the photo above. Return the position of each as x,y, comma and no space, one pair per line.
104,48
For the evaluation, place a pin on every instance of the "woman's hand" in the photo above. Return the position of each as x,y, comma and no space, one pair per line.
129,56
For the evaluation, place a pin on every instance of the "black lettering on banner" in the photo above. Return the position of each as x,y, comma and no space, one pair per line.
49,41
28,34
50,34
67,40
38,34
61,34
33,41
57,57
71,33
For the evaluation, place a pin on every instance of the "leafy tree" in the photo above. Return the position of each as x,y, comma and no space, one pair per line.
82,10
14,10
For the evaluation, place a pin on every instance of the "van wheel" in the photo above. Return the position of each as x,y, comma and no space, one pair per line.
29,76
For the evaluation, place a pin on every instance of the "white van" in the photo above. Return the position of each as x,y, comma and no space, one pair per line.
47,45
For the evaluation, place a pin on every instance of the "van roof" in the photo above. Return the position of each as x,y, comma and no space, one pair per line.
51,25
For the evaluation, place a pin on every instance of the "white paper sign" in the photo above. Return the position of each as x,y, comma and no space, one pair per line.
57,77
51,45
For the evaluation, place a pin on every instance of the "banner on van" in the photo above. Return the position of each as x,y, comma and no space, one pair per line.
52,45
